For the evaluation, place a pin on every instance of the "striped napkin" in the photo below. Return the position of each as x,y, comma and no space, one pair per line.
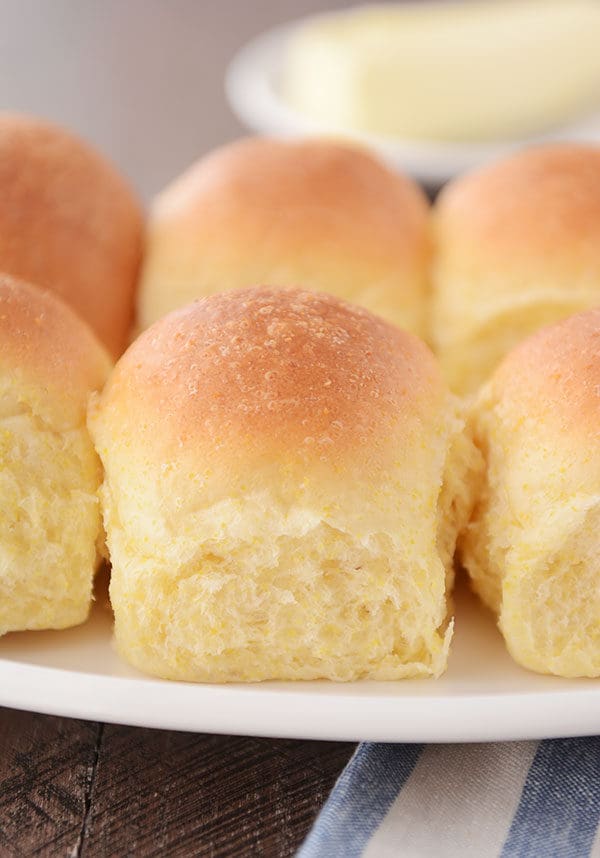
505,800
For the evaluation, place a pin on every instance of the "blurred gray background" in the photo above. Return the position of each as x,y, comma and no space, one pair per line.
142,79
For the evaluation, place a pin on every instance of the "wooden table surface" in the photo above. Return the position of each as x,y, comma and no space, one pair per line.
76,788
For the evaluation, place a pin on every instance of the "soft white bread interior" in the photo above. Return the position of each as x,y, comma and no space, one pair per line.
532,548
69,223
321,214
517,247
50,520
285,475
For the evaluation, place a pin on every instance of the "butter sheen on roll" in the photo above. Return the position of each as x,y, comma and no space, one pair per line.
69,223
517,247
532,547
50,521
285,475
320,214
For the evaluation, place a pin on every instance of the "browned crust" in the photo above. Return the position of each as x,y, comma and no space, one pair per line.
533,207
270,368
45,345
332,180
554,378
69,223
318,214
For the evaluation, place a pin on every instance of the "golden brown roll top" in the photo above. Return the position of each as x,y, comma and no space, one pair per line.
319,214
258,373
533,545
69,223
273,494
49,352
518,247
50,525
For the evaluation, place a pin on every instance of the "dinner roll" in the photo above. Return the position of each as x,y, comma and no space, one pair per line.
284,479
518,247
321,214
69,223
49,472
532,547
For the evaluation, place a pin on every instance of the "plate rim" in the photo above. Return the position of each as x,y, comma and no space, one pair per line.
239,709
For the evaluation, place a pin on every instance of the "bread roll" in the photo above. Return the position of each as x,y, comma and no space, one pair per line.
49,472
532,547
284,482
69,223
518,247
319,214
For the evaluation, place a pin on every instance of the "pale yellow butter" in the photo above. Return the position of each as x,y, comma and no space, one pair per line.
454,71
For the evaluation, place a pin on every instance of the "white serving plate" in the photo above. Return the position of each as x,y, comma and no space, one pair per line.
252,87
484,696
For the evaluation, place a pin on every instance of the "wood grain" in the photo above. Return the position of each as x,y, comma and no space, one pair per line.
160,793
46,766
85,790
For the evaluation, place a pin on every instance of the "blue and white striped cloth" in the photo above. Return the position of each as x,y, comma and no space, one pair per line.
505,800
